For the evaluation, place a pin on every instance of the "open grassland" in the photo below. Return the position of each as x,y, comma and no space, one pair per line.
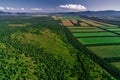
111,51
95,34
100,40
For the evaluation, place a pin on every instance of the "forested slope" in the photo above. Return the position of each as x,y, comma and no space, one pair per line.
37,48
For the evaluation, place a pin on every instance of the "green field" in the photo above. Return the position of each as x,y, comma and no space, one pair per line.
70,18
76,28
80,27
117,32
100,40
106,51
39,48
87,30
109,27
116,64
117,29
94,28
94,34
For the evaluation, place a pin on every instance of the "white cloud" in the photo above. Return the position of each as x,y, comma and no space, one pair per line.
10,8
36,9
22,9
76,7
2,8
7,8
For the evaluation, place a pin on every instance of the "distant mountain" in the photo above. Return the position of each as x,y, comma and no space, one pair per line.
101,13
83,13
2,12
94,13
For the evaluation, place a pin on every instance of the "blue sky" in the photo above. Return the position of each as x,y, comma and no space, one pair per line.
58,5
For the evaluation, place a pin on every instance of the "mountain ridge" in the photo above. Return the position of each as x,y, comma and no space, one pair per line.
92,13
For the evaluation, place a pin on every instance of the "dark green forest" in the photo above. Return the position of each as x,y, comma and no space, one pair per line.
39,48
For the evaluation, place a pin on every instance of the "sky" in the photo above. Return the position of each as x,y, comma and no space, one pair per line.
58,5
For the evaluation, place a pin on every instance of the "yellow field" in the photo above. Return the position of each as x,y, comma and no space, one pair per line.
91,22
84,24
18,25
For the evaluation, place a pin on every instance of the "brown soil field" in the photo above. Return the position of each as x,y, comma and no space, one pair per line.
74,21
84,24
67,23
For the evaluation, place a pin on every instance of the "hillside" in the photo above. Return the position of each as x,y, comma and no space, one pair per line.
39,48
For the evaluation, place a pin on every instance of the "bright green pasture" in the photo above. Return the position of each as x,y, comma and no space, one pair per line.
94,34
109,27
91,28
117,29
106,51
81,27
100,40
87,30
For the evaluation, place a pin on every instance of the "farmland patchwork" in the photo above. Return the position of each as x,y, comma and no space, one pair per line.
102,39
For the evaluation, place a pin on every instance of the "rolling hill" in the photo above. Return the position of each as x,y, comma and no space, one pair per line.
39,48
